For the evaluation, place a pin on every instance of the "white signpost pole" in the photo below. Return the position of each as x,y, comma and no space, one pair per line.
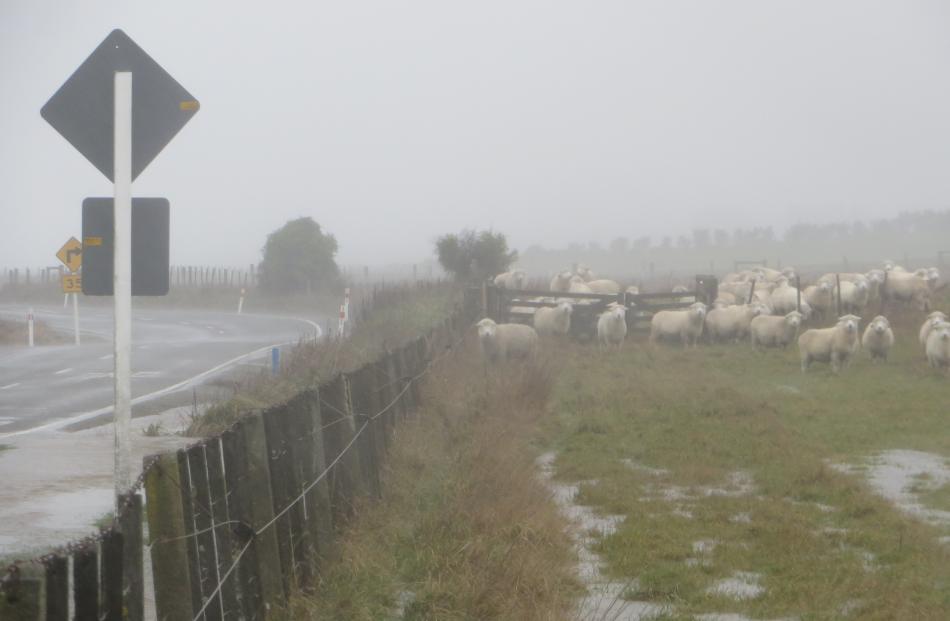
29,327
76,316
122,281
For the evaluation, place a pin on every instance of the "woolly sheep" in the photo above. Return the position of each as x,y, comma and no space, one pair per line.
612,326
555,320
878,338
585,272
933,320
511,280
504,341
820,297
938,346
904,287
770,331
784,299
726,299
854,295
561,283
633,290
578,285
604,286
930,275
732,322
683,325
836,344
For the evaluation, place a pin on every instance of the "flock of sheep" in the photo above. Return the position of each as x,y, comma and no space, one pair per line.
760,305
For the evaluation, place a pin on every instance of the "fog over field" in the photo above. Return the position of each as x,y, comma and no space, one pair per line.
554,122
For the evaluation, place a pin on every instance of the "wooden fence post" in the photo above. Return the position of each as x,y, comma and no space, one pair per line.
338,429
365,405
292,537
110,576
129,524
166,528
252,503
204,565
319,512
224,550
86,583
57,589
188,516
21,594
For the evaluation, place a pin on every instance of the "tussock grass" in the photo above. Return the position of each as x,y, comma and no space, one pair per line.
823,542
465,529
16,333
307,364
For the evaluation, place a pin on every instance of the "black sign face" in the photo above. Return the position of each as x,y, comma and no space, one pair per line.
150,224
82,110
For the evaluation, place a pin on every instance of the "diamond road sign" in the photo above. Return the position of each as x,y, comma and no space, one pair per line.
71,254
82,109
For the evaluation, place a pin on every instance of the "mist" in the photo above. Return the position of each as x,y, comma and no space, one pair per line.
554,122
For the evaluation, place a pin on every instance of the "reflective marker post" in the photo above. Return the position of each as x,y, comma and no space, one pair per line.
122,281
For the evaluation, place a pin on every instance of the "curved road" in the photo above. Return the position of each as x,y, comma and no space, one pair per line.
50,387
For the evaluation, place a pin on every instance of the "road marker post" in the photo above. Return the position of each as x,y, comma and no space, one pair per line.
29,327
275,360
241,303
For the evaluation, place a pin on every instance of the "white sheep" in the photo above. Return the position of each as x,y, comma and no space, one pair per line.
821,298
784,299
770,331
585,272
578,285
556,320
604,286
505,341
938,346
633,290
878,338
855,295
904,287
561,283
683,325
731,323
930,275
836,344
933,319
726,299
511,280
612,326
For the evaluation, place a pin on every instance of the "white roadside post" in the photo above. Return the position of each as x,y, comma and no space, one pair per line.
29,327
76,316
241,303
122,281
65,300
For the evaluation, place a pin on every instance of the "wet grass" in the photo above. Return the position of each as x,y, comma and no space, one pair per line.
16,333
823,542
465,529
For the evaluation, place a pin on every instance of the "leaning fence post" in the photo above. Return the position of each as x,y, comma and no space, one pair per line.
129,523
57,589
110,576
166,528
313,464
338,430
86,582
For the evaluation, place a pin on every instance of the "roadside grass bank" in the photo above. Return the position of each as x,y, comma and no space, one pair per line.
727,465
308,363
465,529
16,333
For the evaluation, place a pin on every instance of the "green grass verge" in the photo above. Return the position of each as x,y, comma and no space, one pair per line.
823,542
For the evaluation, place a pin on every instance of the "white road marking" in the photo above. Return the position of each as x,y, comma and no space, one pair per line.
13,385
145,374
106,357
61,371
60,423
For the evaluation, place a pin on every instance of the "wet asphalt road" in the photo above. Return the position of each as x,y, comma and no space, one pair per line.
54,385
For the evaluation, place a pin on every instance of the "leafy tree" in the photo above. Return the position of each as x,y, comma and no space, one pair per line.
472,255
298,258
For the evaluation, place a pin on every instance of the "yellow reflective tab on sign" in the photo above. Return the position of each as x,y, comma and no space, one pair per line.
188,105
92,241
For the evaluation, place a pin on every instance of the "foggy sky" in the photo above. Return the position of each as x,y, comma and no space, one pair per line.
553,121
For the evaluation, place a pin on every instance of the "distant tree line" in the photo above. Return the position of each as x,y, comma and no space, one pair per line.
916,235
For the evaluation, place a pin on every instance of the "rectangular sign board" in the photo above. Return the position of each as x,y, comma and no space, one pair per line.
72,283
150,225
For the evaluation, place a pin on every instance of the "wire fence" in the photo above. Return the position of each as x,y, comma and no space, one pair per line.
239,521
